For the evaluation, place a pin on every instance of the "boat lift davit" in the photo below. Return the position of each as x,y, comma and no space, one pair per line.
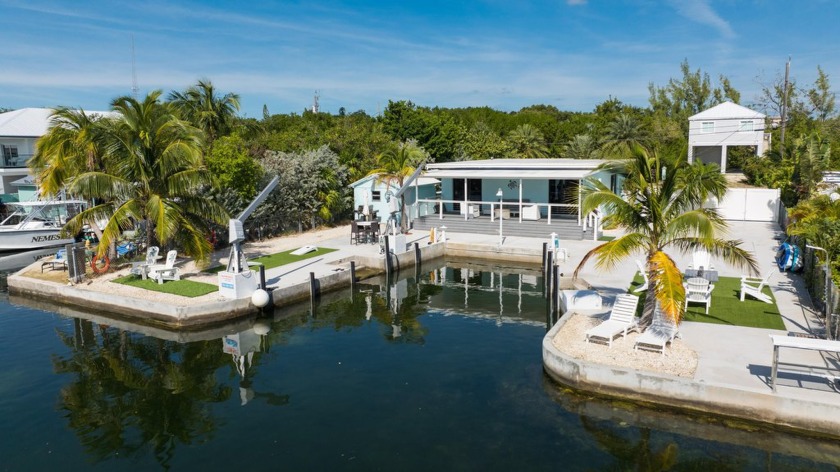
239,281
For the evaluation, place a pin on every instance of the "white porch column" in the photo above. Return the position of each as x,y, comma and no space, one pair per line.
466,197
520,200
723,152
690,153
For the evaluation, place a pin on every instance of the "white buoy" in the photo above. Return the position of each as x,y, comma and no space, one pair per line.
259,298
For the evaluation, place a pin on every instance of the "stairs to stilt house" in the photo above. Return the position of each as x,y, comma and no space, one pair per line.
567,229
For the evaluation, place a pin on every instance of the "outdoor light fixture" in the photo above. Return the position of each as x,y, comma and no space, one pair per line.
500,194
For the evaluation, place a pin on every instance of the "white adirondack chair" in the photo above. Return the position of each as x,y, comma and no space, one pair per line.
698,291
168,271
621,321
753,287
142,268
701,259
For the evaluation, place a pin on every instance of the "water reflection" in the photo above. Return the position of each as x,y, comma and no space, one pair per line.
460,337
129,395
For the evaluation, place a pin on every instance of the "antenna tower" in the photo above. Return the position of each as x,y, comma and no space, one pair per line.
315,106
134,88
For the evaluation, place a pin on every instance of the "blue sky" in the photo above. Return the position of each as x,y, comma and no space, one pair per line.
506,54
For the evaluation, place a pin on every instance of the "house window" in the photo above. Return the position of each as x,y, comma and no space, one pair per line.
376,196
746,125
707,127
10,156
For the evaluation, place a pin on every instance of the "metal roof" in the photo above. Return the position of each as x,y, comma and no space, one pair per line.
31,122
532,169
726,111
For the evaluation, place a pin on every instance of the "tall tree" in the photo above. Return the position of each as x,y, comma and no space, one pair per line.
623,134
75,143
527,142
821,97
395,165
201,105
660,206
582,146
689,95
155,175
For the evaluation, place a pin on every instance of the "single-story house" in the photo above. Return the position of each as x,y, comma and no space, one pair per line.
376,194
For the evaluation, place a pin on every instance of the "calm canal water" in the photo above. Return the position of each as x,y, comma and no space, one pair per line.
440,373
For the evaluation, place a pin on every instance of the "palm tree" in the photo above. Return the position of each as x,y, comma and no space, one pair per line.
582,146
528,142
621,135
155,174
660,206
74,144
201,106
395,165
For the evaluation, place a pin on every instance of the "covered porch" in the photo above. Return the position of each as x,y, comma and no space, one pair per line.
531,193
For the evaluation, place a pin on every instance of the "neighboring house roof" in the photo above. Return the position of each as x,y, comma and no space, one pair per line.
562,169
421,181
30,122
28,180
727,111
25,123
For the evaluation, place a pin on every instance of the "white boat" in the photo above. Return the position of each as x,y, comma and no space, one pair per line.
37,224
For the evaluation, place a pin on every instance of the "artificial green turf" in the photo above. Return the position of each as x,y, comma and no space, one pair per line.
727,307
184,288
281,258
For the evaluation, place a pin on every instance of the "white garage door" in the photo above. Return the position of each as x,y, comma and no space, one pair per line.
748,204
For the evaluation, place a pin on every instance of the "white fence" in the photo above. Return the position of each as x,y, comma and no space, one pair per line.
748,204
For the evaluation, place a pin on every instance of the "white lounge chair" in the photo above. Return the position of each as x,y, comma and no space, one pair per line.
166,271
660,332
698,290
142,268
643,271
59,261
753,287
622,319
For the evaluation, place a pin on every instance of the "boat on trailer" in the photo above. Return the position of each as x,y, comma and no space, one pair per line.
37,224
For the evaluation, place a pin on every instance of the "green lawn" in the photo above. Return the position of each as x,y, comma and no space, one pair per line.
281,258
184,288
727,307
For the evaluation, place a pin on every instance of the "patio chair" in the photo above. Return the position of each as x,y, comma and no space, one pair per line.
622,320
660,332
374,231
643,271
168,271
753,287
59,261
142,268
354,232
698,290
701,260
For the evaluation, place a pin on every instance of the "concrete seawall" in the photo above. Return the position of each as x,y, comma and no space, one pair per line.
749,404
171,316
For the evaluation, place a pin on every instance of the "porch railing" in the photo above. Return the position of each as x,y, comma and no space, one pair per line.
427,207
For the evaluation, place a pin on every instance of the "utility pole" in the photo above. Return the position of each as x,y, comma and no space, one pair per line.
784,107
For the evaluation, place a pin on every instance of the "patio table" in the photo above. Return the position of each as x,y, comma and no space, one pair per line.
710,275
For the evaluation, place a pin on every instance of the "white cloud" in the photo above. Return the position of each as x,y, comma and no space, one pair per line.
701,12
